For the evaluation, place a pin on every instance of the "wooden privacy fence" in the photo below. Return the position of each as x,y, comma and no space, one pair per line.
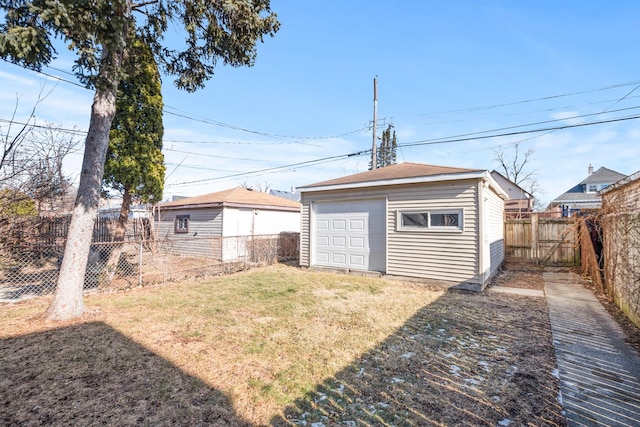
545,241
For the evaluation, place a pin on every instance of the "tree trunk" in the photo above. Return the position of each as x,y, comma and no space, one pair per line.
68,302
118,236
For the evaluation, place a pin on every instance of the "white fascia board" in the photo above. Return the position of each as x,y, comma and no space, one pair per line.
487,177
413,180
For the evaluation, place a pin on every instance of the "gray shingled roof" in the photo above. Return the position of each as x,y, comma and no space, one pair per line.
603,175
577,194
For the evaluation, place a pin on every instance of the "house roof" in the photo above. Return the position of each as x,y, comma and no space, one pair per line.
393,172
603,175
235,197
291,195
578,193
403,173
508,186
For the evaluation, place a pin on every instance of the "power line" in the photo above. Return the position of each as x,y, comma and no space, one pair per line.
405,145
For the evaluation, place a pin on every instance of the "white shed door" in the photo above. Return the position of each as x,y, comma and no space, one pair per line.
350,235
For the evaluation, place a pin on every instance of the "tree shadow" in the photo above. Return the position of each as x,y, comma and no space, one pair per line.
91,374
469,358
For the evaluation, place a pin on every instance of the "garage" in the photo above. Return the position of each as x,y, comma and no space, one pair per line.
350,234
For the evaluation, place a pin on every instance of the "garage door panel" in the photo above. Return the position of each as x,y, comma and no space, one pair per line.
339,224
322,241
350,234
338,242
357,261
357,242
322,224
339,258
357,224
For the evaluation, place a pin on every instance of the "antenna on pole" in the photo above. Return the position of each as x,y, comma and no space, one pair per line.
374,146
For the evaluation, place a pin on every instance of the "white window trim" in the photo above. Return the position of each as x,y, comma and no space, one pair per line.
429,228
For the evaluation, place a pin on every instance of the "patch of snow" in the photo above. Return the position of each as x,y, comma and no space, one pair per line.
340,389
556,373
349,423
449,355
455,370
318,424
359,374
472,381
445,320
395,380
493,337
441,331
560,399
451,339
383,404
407,355
504,423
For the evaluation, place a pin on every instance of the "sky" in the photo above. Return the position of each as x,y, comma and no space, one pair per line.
458,80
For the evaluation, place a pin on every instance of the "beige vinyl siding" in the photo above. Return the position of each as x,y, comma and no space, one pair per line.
305,229
495,208
438,255
434,254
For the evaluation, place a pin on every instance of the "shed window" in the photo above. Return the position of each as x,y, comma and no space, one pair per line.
429,220
182,224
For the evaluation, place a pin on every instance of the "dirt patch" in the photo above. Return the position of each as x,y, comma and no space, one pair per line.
520,275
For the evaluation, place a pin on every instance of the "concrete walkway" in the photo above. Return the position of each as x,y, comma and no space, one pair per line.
599,372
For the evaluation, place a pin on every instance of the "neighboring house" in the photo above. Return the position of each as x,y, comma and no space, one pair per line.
585,194
518,199
112,208
407,220
290,195
230,213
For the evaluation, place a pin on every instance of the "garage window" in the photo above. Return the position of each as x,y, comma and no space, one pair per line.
449,220
181,224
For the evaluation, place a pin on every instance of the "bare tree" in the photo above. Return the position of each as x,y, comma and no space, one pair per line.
46,180
516,166
12,136
263,187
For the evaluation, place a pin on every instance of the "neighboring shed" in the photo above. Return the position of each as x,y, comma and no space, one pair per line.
518,199
407,220
227,214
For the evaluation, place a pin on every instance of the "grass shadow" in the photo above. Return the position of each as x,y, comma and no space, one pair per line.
91,374
469,358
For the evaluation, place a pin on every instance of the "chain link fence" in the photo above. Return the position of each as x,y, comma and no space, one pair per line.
30,271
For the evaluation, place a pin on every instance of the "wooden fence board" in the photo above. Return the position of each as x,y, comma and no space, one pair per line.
547,241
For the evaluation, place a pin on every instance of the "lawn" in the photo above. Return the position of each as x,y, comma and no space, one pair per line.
282,346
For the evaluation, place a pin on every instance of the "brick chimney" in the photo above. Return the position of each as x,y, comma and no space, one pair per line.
590,169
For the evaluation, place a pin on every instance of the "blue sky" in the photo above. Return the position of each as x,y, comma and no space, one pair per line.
444,69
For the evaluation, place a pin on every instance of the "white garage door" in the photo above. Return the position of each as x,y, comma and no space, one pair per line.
350,235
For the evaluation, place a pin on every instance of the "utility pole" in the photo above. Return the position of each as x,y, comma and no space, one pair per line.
374,147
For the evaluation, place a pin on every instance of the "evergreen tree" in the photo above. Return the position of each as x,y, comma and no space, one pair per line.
135,164
387,150
98,31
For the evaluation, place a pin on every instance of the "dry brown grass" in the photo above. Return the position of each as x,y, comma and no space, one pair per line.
281,346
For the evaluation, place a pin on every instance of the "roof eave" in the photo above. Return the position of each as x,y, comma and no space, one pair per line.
484,175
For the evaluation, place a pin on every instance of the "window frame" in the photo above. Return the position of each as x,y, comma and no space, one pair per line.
428,227
176,225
